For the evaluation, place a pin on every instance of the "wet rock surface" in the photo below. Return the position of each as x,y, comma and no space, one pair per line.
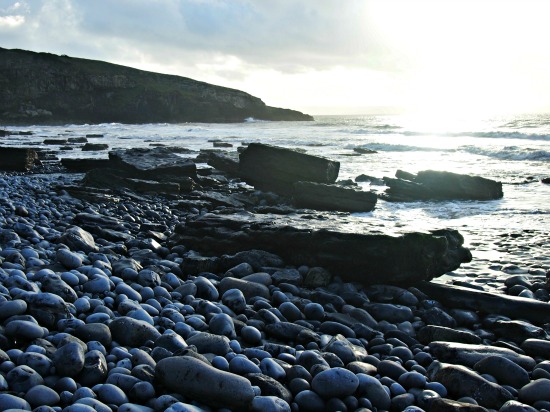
101,309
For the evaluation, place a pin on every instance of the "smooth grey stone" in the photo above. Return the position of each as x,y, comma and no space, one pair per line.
273,369
132,407
269,404
240,271
69,259
94,332
140,357
270,386
171,341
111,394
78,239
287,331
206,289
241,365
249,289
79,407
8,401
186,375
438,317
391,369
503,370
335,383
36,361
345,350
389,312
290,311
251,335
3,383
388,293
131,332
41,395
21,329
70,278
461,381
372,389
22,378
314,311
209,343
412,380
97,284
69,359
538,390
515,406
94,403
259,277
234,300
148,278
222,324
309,401
183,407
94,370
125,289
309,358
12,308
362,367
123,381
141,314
536,347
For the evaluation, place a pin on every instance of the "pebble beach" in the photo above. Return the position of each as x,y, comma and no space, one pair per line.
117,322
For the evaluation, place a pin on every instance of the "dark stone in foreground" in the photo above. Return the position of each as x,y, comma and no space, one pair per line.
84,165
199,381
333,197
277,169
365,258
17,159
436,185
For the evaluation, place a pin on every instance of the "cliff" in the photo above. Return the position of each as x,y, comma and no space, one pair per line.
44,88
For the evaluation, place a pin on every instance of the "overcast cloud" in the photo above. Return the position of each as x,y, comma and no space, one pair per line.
311,55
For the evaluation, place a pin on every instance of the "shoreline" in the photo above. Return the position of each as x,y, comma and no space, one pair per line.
279,344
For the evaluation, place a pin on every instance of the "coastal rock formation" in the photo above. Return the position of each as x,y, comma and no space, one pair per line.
365,258
277,169
17,159
437,185
333,197
47,88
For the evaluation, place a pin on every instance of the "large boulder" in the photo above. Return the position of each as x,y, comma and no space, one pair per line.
367,258
17,159
277,169
333,197
437,185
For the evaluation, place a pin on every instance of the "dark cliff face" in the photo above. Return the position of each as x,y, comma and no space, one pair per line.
50,89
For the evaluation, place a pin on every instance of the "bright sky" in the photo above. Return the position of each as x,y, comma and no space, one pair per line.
317,56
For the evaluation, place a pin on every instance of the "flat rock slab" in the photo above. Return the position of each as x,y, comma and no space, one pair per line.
513,306
438,185
155,163
365,258
333,197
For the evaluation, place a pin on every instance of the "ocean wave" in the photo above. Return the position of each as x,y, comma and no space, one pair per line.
389,147
509,153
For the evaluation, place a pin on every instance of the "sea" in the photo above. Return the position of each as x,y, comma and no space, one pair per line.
514,150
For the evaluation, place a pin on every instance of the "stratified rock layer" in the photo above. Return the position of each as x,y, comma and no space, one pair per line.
46,88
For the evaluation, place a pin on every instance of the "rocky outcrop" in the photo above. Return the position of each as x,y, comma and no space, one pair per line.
436,185
16,159
365,258
333,197
277,169
47,88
